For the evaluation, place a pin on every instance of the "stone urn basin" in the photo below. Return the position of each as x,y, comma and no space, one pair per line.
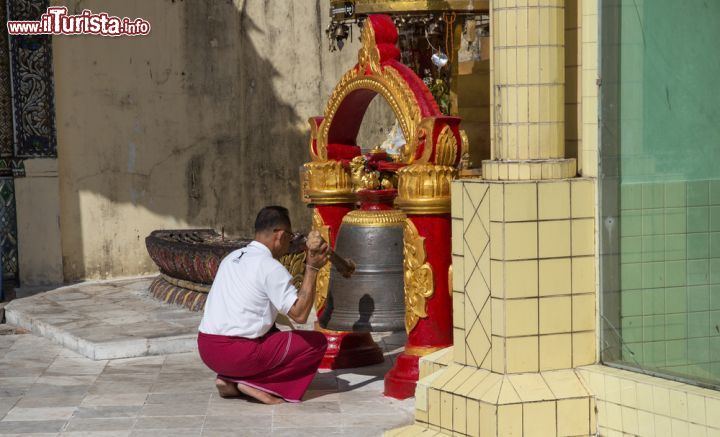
190,254
188,260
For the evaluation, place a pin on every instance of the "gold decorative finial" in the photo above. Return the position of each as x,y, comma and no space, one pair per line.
419,284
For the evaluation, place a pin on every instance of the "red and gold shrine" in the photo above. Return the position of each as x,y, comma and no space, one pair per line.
421,173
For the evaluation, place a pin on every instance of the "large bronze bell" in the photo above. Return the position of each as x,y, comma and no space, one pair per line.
372,299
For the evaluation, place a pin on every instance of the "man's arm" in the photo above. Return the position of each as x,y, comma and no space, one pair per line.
315,259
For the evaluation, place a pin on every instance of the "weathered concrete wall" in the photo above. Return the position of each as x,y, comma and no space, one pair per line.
199,124
38,217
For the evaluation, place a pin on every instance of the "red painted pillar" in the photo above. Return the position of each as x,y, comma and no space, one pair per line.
433,332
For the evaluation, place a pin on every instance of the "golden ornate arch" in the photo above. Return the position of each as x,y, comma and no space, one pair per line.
429,136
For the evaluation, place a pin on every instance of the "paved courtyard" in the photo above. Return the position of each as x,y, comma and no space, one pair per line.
107,319
47,389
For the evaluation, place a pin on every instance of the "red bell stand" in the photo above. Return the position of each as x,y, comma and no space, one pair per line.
345,349
433,332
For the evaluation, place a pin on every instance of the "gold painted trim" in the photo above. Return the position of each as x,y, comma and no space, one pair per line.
424,206
450,280
190,285
330,198
382,218
421,351
322,281
418,275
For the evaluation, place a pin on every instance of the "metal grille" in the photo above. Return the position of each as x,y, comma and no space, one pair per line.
8,229
32,85
6,131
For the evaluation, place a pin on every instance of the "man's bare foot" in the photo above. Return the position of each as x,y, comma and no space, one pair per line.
264,397
227,389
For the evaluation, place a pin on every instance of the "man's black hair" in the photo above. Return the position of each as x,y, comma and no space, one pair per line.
272,217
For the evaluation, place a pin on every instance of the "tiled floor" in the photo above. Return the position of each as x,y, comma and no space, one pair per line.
47,389
107,319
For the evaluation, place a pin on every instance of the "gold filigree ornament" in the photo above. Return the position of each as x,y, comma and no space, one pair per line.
465,143
375,219
314,127
419,284
446,152
361,178
357,171
425,188
328,182
370,75
369,55
295,264
322,280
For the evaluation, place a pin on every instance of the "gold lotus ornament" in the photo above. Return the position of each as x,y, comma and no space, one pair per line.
322,280
419,284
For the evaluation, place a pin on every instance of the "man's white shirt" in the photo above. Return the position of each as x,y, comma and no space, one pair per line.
249,290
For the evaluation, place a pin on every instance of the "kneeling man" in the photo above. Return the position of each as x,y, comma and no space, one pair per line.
238,338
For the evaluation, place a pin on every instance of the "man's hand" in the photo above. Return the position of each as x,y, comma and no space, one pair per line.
316,257
317,253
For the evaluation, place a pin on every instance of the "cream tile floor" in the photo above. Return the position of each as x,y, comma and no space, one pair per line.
46,389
